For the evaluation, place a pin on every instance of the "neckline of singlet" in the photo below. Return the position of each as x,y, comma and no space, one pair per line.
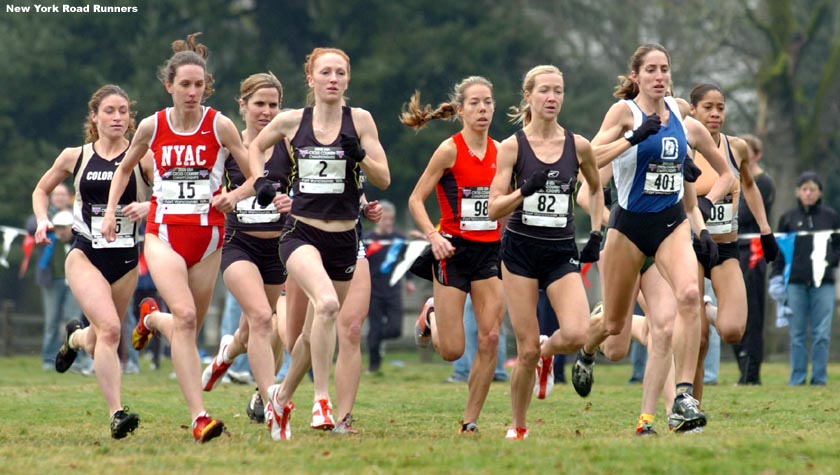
312,127
644,114
562,152
111,160
470,151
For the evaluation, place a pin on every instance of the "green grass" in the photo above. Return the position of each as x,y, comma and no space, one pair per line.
52,423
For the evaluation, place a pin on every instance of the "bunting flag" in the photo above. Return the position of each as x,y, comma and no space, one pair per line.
756,252
785,242
9,235
412,252
818,256
391,257
372,247
28,247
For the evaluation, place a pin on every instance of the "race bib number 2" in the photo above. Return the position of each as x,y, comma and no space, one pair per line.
321,170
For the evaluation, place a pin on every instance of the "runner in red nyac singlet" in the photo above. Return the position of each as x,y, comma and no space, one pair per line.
188,172
463,193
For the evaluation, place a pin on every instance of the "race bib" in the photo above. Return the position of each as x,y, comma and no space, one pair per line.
321,170
124,229
474,209
663,179
248,211
550,210
186,191
722,217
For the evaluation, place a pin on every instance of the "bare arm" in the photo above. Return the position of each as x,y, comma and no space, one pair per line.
58,172
609,142
442,159
592,180
136,151
503,201
375,163
752,195
692,211
281,126
231,140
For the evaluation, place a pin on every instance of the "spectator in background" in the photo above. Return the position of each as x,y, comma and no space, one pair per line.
384,246
810,286
461,366
59,305
750,351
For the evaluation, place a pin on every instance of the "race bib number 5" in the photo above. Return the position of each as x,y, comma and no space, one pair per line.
124,229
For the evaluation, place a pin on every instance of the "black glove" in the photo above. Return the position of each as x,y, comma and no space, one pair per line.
535,182
709,247
691,172
352,148
592,250
608,200
771,249
649,127
705,207
265,191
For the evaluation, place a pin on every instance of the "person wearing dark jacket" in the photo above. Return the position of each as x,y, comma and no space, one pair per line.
810,288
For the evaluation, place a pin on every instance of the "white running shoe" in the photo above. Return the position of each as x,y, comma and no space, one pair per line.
322,415
516,433
217,368
545,374
279,424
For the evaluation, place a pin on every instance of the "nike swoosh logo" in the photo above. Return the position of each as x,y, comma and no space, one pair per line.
671,225
130,261
205,132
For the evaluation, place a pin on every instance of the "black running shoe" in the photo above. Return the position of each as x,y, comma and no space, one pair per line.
468,428
66,355
582,378
686,414
256,408
123,423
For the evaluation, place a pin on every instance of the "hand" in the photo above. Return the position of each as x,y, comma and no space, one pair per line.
373,211
282,203
109,226
224,202
691,172
649,126
705,207
265,191
709,247
769,246
592,250
44,226
441,247
136,211
352,148
535,182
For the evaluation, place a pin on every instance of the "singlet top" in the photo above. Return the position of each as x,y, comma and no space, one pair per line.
549,213
463,193
92,177
724,218
188,172
324,183
649,175
248,215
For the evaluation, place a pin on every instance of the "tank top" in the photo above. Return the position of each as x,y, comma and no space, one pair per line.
188,172
724,217
463,193
649,175
325,184
549,213
248,215
92,177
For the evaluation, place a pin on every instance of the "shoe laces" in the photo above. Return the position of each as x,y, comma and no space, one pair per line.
689,402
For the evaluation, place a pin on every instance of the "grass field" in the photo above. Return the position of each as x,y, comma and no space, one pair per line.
51,423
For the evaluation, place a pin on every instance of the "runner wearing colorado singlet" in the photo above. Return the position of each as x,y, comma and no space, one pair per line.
102,275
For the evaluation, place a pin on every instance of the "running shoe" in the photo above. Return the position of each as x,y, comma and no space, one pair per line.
205,428
322,415
644,429
468,428
345,426
545,374
686,414
422,329
518,433
279,425
582,377
256,408
66,356
141,335
217,368
123,423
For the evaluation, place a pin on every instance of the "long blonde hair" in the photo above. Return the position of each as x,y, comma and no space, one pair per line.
522,114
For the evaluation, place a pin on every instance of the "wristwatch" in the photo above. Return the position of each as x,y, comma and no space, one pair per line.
629,136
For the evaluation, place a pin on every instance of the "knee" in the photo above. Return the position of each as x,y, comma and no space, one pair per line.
260,322
108,334
615,352
662,337
731,334
575,339
350,333
689,297
451,354
527,355
489,342
185,320
327,307
613,327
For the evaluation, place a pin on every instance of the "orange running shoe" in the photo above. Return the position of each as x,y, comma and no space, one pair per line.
206,428
141,335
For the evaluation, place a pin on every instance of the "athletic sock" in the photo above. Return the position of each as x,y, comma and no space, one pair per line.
685,388
586,357
645,419
70,341
225,357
